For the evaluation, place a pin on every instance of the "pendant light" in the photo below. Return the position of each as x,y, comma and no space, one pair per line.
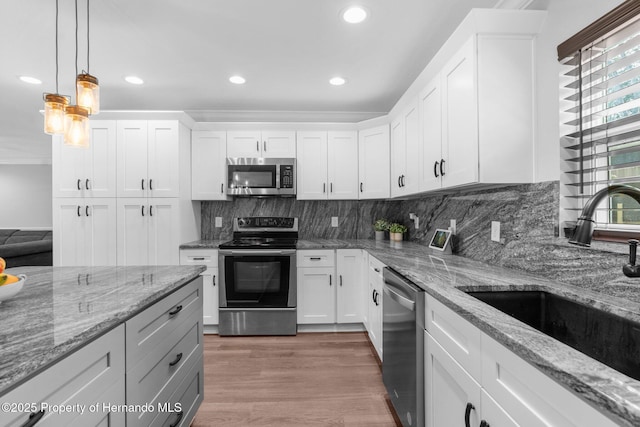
87,88
54,103
76,120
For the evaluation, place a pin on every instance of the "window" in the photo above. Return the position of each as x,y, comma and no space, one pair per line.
600,119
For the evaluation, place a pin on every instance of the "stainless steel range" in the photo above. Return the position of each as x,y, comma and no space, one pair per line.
258,277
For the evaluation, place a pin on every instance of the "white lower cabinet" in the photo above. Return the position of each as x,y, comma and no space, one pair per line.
469,375
84,231
93,375
210,280
316,286
349,288
148,231
374,304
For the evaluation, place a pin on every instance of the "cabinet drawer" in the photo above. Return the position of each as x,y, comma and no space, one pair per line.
151,327
87,373
315,258
375,266
163,369
529,396
456,335
208,257
185,400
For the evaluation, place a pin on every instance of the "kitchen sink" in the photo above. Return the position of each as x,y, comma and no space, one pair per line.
606,337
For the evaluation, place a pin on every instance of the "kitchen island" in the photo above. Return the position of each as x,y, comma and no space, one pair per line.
61,311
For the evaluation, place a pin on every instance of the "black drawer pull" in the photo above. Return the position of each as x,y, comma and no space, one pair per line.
176,360
34,417
377,270
198,258
467,414
315,258
177,423
175,311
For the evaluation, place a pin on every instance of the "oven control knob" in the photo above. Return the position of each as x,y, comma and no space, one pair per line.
242,222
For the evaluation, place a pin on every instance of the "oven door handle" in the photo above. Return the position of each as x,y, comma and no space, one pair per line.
253,252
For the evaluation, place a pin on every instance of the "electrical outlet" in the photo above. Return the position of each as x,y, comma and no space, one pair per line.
495,231
452,226
218,223
334,221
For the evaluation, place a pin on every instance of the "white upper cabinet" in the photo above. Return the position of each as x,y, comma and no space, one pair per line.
148,153
208,165
405,152
87,172
431,148
273,144
342,167
311,166
374,164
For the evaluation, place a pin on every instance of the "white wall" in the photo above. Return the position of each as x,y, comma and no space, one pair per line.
25,196
565,18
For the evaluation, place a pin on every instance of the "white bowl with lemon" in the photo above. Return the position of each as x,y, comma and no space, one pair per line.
10,285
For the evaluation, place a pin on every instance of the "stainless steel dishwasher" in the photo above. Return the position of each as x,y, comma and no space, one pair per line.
403,347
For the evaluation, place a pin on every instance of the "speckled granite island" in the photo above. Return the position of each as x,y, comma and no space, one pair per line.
445,278
62,310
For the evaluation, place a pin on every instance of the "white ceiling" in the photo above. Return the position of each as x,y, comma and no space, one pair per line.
186,50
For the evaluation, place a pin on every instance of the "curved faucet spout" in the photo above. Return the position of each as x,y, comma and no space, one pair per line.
584,227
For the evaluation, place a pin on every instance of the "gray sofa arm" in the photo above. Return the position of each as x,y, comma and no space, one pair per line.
25,248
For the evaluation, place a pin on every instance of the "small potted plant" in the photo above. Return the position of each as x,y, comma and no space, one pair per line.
396,230
380,226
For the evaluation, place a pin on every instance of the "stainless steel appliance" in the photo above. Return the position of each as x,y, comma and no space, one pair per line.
261,176
403,347
258,277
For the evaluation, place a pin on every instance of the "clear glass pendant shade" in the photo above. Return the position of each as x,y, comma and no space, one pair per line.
88,92
54,106
76,126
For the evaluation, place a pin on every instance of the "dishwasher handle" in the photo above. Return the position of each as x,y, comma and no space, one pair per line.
403,301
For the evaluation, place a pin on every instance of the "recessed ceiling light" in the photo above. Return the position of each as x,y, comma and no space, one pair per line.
337,81
134,80
354,15
30,80
239,80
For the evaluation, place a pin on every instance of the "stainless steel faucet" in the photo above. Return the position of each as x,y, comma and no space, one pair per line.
584,227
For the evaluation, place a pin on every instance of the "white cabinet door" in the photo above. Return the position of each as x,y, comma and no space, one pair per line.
132,158
68,167
68,232
162,158
411,178
316,295
163,224
398,156
376,283
460,120
311,167
100,231
100,160
279,144
349,286
374,164
431,154
208,165
244,144
493,414
342,165
133,231
450,393
210,296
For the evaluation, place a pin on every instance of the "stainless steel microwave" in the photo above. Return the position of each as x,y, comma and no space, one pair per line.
261,176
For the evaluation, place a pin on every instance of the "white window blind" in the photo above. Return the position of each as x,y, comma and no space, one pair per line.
600,115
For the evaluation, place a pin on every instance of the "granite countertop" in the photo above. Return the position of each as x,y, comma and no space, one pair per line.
60,309
445,276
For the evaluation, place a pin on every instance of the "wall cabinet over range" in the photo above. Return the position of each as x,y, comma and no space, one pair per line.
254,143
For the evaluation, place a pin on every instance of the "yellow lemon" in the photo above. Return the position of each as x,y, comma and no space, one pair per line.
3,265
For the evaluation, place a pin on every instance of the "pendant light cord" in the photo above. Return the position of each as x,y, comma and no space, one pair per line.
57,91
76,48
88,69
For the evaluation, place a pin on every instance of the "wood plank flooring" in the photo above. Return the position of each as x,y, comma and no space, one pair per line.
312,379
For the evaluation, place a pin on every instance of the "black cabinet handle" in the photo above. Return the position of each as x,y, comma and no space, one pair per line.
257,145
435,169
78,211
150,210
315,258
86,184
442,167
142,209
403,184
373,296
198,258
214,280
376,298
34,417
331,187
483,423
377,270
330,280
175,311
399,182
176,360
79,181
222,188
341,280
151,184
361,187
467,414
177,423
86,210
142,183
264,144
324,187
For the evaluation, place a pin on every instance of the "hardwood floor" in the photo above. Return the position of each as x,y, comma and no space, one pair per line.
312,379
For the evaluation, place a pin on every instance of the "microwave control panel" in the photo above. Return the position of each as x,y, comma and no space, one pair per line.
286,176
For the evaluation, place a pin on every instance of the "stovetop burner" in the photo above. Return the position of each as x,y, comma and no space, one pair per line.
263,233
